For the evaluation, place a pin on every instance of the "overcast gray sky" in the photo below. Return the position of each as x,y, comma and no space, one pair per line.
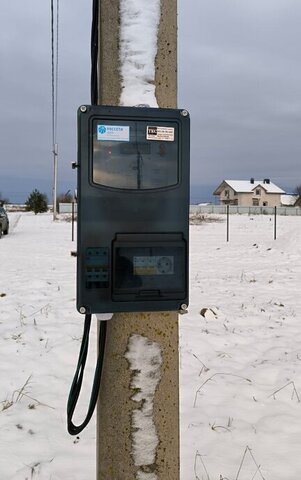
239,76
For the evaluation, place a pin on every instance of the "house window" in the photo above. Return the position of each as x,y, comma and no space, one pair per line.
258,191
255,202
227,193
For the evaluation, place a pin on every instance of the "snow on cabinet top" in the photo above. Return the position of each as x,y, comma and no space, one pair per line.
139,20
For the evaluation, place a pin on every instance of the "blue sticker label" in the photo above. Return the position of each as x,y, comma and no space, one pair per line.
113,133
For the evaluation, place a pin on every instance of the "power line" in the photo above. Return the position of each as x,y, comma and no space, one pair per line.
52,71
54,66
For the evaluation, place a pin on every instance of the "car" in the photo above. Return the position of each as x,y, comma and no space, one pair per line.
4,222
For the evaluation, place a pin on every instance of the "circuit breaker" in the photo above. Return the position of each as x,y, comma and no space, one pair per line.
133,209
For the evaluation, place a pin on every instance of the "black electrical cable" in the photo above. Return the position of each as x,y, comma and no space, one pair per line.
94,51
52,73
56,68
79,375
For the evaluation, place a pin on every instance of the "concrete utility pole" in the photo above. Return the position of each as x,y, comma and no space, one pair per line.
115,427
54,190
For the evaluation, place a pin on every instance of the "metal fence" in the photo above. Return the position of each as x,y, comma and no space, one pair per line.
235,209
67,207
217,209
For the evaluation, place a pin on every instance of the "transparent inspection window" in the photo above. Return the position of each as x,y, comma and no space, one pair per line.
135,155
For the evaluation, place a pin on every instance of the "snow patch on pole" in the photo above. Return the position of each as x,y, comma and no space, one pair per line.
146,476
139,22
145,360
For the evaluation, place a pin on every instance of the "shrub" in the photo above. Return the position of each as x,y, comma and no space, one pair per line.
36,202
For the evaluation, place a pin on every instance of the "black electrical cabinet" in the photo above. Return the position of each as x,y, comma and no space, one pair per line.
133,209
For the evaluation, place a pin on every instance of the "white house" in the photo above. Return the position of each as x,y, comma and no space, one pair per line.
248,193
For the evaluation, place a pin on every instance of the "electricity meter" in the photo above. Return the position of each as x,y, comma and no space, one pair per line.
133,209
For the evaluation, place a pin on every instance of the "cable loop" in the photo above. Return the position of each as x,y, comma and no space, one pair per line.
79,375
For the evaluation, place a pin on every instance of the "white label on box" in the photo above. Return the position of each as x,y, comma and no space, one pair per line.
163,134
113,133
156,265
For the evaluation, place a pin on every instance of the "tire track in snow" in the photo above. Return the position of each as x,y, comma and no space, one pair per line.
15,224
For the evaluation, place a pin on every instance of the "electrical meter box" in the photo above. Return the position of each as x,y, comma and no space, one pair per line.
133,209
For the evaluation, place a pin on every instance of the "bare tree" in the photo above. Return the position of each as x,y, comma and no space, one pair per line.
64,198
3,200
298,190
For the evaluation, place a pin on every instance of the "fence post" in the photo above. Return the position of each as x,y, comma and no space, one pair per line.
228,223
275,223
72,217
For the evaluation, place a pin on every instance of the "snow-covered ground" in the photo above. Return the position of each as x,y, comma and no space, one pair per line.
241,359
40,334
240,353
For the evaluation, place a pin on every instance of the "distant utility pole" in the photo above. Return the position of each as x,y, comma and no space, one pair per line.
116,459
54,5
54,190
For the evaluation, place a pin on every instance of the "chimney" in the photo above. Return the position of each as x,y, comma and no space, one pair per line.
252,180
266,180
